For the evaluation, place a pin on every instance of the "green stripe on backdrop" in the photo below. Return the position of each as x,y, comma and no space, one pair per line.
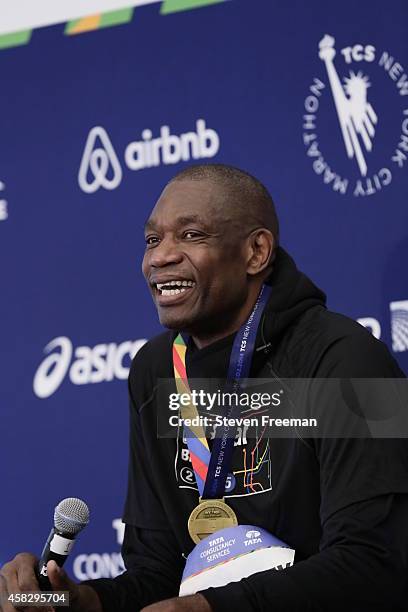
71,25
104,20
172,6
15,39
116,17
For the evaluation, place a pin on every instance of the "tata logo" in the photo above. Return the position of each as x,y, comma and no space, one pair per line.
251,534
84,364
348,85
254,537
100,165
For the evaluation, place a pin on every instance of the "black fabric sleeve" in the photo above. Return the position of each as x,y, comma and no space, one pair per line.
358,355
362,561
362,566
150,551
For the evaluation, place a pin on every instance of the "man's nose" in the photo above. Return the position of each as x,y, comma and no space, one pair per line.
165,253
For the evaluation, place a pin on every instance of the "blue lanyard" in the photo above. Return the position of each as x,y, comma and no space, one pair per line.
239,367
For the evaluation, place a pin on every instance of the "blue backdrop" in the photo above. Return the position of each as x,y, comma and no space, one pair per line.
81,166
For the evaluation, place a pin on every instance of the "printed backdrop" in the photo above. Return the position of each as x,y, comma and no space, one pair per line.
95,116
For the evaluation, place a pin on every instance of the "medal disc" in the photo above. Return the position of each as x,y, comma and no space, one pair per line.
209,516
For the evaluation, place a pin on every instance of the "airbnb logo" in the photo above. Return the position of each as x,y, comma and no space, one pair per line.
100,166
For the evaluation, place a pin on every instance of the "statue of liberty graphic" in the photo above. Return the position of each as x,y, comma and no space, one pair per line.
356,116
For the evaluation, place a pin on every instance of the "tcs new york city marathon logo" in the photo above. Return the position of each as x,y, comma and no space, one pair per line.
83,365
100,165
363,91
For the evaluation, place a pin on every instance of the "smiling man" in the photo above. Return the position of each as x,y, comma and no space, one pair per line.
207,252
214,267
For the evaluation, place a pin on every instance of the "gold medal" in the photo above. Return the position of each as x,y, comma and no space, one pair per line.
209,516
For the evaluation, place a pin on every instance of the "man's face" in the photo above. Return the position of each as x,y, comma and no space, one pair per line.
194,262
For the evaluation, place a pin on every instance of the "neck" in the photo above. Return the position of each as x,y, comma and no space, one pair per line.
203,340
232,324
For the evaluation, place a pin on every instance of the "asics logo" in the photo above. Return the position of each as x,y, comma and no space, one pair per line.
84,364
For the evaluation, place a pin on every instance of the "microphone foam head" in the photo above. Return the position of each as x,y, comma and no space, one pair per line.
71,515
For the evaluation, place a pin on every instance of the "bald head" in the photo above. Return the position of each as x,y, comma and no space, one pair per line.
242,198
212,231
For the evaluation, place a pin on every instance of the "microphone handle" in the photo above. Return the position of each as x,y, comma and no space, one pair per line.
57,548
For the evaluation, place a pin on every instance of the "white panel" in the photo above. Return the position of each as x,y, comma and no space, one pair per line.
18,15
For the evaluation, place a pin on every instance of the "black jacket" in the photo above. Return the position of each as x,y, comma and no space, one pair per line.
342,504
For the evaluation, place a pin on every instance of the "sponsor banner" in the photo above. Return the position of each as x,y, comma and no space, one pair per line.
232,554
18,18
349,84
100,165
90,566
101,107
82,365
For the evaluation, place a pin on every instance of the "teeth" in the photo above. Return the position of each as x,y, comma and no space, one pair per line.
174,283
172,291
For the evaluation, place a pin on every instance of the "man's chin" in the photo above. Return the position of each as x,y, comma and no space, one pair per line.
175,322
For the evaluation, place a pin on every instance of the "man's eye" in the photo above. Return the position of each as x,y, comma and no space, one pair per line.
192,234
151,240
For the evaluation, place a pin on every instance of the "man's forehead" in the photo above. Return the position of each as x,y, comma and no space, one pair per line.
203,192
177,220
182,202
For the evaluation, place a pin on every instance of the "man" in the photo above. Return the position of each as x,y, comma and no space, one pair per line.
212,242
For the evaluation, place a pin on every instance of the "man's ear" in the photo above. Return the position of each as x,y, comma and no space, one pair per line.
260,248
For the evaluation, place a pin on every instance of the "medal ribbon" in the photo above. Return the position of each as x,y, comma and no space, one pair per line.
196,440
211,469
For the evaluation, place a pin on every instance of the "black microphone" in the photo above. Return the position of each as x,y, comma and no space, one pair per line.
70,517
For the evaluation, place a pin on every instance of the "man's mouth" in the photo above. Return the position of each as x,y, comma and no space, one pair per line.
174,287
